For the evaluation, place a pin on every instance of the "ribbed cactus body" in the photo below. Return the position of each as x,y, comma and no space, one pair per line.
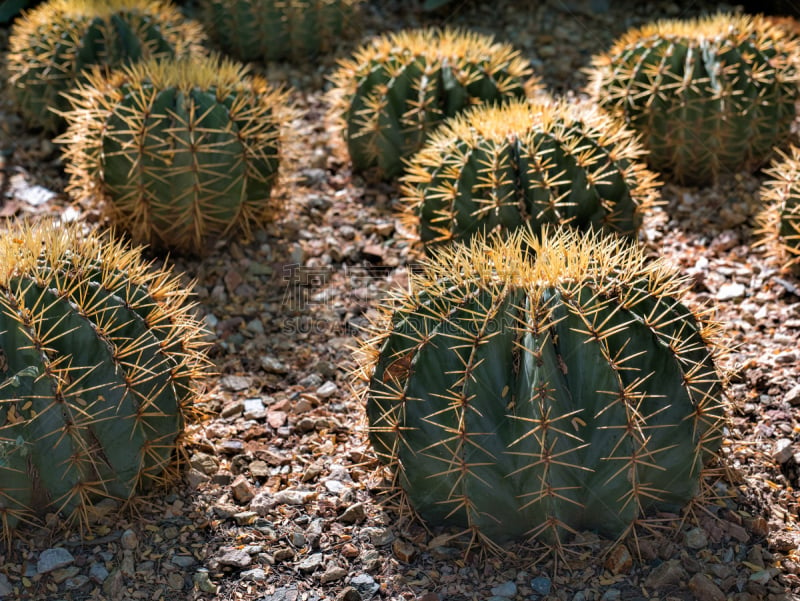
778,223
496,168
397,88
181,153
272,30
531,398
52,45
709,96
101,361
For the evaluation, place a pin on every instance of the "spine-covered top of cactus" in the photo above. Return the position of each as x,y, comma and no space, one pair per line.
278,29
101,361
709,96
495,168
537,386
399,86
778,223
181,152
51,45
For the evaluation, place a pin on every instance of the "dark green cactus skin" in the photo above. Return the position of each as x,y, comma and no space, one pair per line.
529,408
778,222
99,375
53,45
271,30
394,92
180,163
494,169
708,97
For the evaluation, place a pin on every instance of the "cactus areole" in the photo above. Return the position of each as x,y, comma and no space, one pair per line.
517,397
101,360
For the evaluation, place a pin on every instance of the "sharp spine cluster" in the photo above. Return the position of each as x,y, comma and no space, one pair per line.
709,96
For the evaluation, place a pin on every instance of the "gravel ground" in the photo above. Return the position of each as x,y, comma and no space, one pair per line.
281,500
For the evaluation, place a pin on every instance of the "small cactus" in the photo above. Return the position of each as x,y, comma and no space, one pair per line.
708,96
101,360
180,153
391,94
271,30
495,168
778,223
537,386
53,44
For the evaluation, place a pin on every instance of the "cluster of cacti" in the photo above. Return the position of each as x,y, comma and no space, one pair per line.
278,29
778,230
101,357
397,88
180,152
495,168
52,45
709,96
533,397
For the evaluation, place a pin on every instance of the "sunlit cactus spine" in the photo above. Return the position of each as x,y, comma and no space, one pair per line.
398,87
709,96
536,386
496,168
778,223
179,153
102,363
52,45
270,30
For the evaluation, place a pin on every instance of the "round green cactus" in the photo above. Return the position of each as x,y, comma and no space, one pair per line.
516,396
102,360
778,223
180,153
709,96
391,94
495,168
53,44
272,30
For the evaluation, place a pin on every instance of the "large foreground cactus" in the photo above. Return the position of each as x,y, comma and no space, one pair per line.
101,365
496,168
533,397
53,44
397,88
778,223
180,153
278,29
709,96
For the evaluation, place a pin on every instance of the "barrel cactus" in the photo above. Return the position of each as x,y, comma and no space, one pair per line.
391,94
533,397
180,153
101,364
272,30
709,96
495,168
778,223
53,44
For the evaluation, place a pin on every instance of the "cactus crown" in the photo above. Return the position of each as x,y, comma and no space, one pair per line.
94,8
538,386
708,95
527,162
778,223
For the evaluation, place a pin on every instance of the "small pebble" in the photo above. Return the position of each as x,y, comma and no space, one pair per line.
541,585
